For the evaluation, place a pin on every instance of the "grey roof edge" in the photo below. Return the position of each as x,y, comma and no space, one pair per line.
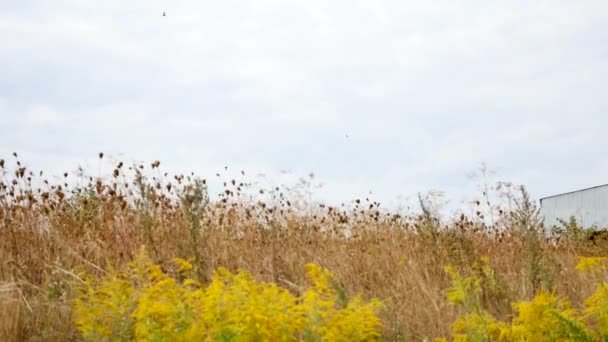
575,191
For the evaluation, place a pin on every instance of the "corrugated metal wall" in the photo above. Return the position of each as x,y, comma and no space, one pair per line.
589,206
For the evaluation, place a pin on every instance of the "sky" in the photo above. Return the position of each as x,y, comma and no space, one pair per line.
393,97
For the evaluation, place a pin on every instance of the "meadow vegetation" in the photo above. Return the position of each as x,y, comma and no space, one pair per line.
140,254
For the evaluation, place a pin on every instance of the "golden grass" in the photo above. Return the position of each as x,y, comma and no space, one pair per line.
10,304
52,231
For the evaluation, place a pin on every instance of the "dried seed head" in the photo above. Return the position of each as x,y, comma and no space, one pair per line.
20,172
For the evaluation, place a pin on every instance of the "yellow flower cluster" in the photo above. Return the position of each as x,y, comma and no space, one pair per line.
144,303
545,318
594,266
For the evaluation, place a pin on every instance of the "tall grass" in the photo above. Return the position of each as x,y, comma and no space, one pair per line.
51,232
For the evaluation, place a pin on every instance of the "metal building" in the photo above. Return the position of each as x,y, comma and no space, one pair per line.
588,206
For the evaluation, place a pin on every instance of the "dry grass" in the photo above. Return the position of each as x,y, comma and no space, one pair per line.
49,233
10,305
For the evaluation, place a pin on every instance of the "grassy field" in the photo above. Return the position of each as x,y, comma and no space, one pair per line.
56,236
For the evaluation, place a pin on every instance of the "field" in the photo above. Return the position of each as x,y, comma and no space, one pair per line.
65,247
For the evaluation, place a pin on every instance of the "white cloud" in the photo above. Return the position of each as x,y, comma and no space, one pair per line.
42,115
426,90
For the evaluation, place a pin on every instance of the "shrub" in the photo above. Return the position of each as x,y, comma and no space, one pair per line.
597,303
145,303
475,324
547,317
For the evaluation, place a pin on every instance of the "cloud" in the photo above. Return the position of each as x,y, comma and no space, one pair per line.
42,115
425,91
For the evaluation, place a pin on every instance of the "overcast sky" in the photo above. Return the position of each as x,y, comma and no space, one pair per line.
425,90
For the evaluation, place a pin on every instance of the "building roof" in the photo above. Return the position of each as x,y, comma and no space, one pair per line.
575,191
